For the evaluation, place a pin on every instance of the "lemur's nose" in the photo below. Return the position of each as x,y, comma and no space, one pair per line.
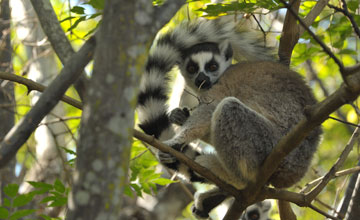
202,81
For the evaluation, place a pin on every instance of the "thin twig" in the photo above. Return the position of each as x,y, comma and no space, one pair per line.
324,181
322,212
345,122
313,183
32,85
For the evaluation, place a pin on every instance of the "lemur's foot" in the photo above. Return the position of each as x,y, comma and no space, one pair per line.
178,116
199,214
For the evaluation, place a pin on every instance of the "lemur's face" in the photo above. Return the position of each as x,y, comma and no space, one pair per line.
203,68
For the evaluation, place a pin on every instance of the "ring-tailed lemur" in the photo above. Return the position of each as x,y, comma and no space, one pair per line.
243,111
173,47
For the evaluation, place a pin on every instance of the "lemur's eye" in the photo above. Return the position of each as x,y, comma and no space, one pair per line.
191,69
213,67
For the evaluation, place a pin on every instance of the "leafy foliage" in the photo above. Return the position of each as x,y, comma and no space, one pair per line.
13,206
143,177
239,6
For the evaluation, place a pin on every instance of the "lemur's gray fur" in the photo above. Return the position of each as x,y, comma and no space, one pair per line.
244,108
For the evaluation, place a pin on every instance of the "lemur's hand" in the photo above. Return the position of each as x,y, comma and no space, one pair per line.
166,158
178,116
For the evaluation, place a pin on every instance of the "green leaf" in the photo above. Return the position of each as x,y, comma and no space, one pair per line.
153,187
158,2
77,22
97,4
59,201
6,202
65,19
21,213
163,181
22,200
69,151
353,5
146,188
347,51
45,217
55,193
41,185
49,218
4,213
58,186
78,10
39,191
127,191
48,199
11,190
137,189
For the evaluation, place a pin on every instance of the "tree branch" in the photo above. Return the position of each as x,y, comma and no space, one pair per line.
32,85
187,161
292,31
285,211
59,42
17,136
347,14
290,34
317,39
311,16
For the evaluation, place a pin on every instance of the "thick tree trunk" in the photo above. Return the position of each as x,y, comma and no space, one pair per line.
108,118
7,100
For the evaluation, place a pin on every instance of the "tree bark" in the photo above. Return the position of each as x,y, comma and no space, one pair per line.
108,115
7,99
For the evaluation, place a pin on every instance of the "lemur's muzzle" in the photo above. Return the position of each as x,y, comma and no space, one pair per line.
202,81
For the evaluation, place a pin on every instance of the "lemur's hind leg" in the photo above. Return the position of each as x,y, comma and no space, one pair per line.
206,201
242,138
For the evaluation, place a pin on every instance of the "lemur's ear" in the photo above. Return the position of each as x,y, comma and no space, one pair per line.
226,50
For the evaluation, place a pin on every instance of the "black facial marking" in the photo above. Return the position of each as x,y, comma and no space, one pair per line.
192,67
253,215
212,65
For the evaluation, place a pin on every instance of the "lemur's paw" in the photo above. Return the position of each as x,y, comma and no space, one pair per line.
178,116
166,158
199,214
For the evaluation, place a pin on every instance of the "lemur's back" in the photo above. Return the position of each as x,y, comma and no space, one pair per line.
269,88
